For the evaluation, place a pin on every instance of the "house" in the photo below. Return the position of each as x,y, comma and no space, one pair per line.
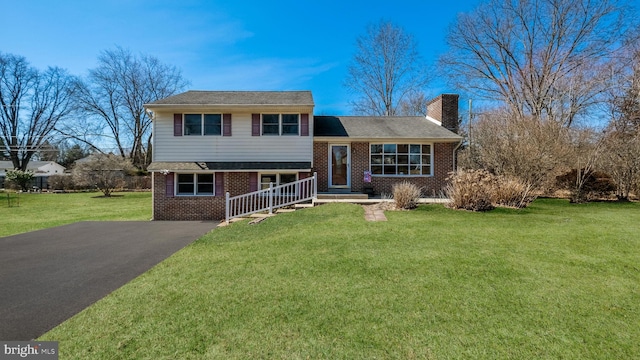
207,143
41,172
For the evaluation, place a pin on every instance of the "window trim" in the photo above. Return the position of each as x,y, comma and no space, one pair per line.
431,150
278,179
281,124
195,184
202,124
262,125
277,174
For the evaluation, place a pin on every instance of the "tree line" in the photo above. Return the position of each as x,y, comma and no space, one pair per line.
559,80
563,79
53,115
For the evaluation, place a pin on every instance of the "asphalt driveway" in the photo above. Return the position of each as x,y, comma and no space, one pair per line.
49,275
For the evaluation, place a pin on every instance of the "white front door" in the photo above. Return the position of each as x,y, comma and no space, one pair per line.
339,166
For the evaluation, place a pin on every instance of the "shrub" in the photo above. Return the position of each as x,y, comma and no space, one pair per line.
471,190
512,192
406,195
596,185
19,178
61,182
479,190
137,182
102,171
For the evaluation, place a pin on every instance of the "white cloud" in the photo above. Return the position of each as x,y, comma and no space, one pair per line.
260,74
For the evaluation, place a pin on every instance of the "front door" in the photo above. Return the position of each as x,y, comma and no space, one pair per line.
339,166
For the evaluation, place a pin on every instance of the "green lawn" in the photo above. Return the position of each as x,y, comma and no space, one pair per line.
40,211
552,281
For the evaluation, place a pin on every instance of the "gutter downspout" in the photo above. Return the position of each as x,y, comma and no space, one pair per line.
455,149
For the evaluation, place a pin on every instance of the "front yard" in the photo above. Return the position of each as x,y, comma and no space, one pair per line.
551,281
32,211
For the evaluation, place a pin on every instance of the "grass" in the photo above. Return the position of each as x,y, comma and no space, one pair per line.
41,211
552,281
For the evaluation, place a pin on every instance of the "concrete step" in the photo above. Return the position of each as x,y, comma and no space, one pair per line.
336,196
280,211
261,215
303,206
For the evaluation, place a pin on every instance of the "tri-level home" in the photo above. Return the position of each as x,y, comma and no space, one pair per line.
209,143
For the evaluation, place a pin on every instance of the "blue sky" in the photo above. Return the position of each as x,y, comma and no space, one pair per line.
226,45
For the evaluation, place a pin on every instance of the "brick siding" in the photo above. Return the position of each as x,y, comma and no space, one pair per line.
321,164
432,185
196,208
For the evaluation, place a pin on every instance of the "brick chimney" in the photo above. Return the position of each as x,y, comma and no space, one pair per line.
444,109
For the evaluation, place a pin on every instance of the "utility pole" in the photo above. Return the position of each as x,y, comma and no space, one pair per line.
470,120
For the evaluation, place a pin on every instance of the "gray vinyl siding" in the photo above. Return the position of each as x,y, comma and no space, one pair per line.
241,146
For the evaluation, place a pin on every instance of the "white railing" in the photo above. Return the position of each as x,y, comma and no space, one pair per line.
272,198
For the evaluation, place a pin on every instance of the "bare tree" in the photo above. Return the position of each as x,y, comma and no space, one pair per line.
546,58
32,104
385,69
521,147
105,172
115,94
49,151
585,151
414,104
621,159
4,154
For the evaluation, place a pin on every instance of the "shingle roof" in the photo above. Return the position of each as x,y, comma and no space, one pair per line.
380,127
32,165
195,97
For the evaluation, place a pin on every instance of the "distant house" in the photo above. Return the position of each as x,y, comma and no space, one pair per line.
41,171
207,143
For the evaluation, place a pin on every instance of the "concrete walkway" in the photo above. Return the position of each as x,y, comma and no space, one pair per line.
47,276
373,213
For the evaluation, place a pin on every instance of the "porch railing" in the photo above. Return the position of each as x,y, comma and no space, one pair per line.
271,198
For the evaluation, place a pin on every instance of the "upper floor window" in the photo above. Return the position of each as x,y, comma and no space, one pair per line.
401,159
290,124
270,124
202,124
280,124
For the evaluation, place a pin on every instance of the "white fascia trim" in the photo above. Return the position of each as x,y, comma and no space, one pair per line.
439,123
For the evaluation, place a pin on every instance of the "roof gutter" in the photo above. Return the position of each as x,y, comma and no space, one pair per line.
399,140
169,106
